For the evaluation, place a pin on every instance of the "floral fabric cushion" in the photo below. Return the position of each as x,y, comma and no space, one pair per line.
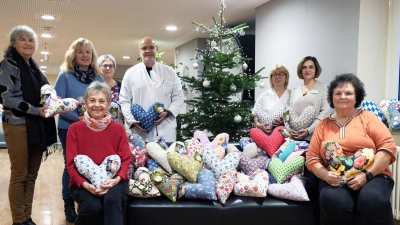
205,189
248,165
193,145
221,139
269,143
97,174
230,161
146,118
293,190
347,166
141,185
55,104
394,115
139,153
170,186
283,171
256,186
188,168
225,185
383,106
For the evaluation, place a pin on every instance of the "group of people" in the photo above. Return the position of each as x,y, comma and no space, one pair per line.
98,131
339,119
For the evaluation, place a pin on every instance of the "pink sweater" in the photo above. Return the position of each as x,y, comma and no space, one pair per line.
97,145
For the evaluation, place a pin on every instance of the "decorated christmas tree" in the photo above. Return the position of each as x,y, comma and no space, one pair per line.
218,107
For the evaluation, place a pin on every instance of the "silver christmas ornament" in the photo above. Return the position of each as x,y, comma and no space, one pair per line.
262,85
191,108
233,87
237,118
213,44
244,65
206,83
241,32
195,66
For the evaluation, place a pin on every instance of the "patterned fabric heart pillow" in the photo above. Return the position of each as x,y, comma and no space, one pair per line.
178,147
371,106
55,104
221,139
269,143
248,165
293,190
97,174
205,189
230,161
193,145
284,171
245,141
170,186
201,137
383,106
394,115
256,187
285,150
141,185
188,168
231,148
225,185
251,150
159,155
139,153
116,112
299,122
265,117
146,118
346,166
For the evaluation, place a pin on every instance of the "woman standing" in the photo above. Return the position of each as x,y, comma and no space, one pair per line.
277,97
310,93
28,134
97,137
108,65
78,71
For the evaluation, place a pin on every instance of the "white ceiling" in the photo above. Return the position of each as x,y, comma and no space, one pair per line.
116,26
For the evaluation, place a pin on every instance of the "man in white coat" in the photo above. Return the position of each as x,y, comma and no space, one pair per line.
149,82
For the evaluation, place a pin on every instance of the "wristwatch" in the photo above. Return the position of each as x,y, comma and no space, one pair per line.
368,175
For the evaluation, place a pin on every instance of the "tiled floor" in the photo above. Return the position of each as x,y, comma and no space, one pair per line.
48,207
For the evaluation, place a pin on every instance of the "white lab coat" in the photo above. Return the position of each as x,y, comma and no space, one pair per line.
270,101
162,86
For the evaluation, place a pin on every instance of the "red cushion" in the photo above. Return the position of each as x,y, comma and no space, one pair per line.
269,143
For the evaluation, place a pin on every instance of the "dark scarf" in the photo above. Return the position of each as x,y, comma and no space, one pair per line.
84,76
41,132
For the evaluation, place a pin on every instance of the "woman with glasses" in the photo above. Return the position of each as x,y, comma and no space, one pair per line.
108,65
272,100
78,71
310,93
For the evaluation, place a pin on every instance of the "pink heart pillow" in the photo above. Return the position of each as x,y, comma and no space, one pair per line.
225,185
270,143
193,145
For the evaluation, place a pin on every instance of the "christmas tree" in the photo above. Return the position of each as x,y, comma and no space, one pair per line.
217,108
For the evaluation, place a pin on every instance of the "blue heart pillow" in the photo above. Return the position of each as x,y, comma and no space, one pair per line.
146,118
204,189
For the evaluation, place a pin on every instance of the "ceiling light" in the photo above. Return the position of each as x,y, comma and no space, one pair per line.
41,60
44,52
171,28
47,17
43,67
43,71
126,57
46,35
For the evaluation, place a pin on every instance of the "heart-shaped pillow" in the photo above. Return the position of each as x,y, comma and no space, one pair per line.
141,185
268,118
251,150
146,118
347,166
230,161
188,168
170,186
55,104
116,112
178,147
383,106
205,189
269,143
394,114
201,137
225,185
231,148
193,145
285,150
284,171
293,190
152,164
97,174
256,187
299,122
159,155
249,165
139,153
221,139
245,141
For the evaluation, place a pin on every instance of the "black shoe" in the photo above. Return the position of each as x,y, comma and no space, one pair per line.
70,215
30,222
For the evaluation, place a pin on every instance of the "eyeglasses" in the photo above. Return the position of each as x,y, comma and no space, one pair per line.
107,65
277,75
146,48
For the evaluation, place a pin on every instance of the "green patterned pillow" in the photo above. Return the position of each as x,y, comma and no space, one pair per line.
188,168
284,171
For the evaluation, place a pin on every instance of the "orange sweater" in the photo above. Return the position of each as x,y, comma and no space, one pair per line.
364,130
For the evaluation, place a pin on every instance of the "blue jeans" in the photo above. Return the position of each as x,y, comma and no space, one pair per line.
66,194
93,208
372,202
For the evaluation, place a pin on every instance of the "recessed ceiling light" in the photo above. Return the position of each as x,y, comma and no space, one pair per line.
126,57
43,67
41,60
44,52
43,71
46,35
171,28
47,17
